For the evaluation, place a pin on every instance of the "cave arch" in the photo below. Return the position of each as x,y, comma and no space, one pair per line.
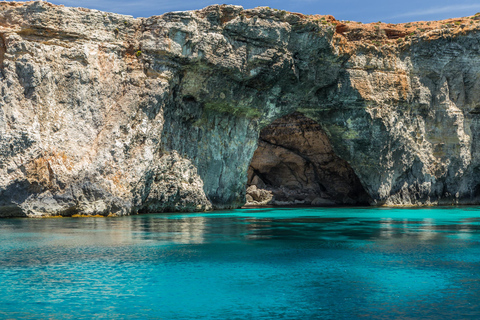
295,164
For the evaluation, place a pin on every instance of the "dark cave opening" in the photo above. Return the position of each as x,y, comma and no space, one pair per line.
295,164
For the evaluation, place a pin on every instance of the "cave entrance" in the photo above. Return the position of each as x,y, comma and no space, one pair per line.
295,164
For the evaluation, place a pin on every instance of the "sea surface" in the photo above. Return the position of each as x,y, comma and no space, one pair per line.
302,263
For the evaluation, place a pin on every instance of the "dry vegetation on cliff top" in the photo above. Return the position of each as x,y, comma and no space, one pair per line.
380,33
350,35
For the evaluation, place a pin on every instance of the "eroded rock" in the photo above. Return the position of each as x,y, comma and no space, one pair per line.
296,163
96,107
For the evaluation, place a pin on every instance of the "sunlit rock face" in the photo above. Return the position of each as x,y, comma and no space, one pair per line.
105,114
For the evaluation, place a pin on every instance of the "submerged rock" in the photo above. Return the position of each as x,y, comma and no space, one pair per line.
102,113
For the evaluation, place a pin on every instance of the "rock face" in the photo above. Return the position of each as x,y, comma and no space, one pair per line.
295,164
105,114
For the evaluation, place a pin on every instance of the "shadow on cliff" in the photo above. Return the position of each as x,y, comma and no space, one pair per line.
321,169
295,164
10,197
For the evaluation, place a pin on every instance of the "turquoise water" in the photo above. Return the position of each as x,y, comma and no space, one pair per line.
335,263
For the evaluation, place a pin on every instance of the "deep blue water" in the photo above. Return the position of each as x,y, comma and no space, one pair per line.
335,263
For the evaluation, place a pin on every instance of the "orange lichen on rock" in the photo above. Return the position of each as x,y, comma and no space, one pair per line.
118,180
40,172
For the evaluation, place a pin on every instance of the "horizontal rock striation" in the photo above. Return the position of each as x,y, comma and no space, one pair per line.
102,113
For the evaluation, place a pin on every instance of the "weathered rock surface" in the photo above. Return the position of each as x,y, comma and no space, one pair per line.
295,164
101,113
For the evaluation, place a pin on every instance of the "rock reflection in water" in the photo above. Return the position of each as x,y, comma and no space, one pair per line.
198,229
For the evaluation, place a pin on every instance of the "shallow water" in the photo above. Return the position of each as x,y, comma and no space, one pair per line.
335,263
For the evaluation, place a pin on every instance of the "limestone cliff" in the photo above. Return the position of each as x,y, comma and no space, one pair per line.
106,114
